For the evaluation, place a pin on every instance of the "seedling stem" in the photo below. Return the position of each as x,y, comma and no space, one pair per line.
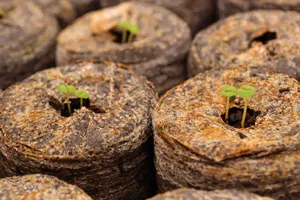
228,91
245,92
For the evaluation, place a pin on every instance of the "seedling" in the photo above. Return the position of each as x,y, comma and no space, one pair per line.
67,90
228,91
82,95
245,92
1,12
126,26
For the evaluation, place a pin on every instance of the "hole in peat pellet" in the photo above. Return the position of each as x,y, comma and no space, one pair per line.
75,105
235,117
264,38
118,35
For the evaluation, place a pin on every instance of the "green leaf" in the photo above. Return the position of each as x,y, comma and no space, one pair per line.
1,12
134,29
124,25
62,88
245,93
228,91
248,88
82,94
71,89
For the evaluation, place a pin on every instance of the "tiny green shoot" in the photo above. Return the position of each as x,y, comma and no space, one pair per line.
126,26
1,12
67,90
82,95
228,91
245,92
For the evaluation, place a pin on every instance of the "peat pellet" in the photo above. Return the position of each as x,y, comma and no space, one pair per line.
63,10
197,13
84,6
229,7
194,147
39,187
156,52
27,41
104,147
192,194
259,38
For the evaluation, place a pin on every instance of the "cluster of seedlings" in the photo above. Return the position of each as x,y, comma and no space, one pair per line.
245,91
68,91
128,30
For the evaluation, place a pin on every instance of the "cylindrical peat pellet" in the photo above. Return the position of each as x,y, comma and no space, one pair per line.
229,7
84,6
104,147
63,10
194,147
192,194
197,13
39,187
259,38
157,51
27,41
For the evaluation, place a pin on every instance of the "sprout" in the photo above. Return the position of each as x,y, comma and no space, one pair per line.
126,26
228,91
82,95
67,90
1,12
245,92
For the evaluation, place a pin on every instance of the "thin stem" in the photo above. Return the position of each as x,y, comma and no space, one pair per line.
244,113
130,39
124,36
68,103
227,110
81,102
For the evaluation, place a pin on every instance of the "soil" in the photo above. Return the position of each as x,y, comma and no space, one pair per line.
192,194
157,52
195,148
256,38
39,187
84,6
27,41
229,7
197,13
105,147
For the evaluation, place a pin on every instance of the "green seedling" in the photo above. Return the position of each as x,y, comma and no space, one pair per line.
1,12
67,90
228,91
126,26
82,95
245,92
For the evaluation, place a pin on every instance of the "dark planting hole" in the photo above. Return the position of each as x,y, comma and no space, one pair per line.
264,38
235,117
75,105
118,35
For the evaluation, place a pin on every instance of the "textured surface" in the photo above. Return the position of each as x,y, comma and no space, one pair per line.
195,148
192,194
39,187
107,154
27,40
63,10
229,7
197,13
84,6
248,39
156,53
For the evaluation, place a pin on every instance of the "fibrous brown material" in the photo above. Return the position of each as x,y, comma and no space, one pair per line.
27,40
197,13
157,51
84,6
39,187
63,10
194,147
104,148
192,194
259,38
229,7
